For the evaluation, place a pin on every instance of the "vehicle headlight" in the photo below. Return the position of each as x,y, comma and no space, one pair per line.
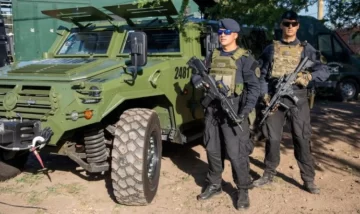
94,91
74,115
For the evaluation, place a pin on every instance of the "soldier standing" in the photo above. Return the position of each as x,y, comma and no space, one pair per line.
236,68
279,59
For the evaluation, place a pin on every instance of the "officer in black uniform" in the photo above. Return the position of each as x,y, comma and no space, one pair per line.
278,58
220,132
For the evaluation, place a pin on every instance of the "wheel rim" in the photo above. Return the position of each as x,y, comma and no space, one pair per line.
348,89
152,160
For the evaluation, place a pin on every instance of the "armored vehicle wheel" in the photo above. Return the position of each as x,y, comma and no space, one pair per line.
136,157
13,167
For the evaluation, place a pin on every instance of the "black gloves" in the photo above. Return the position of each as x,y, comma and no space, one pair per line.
196,81
46,133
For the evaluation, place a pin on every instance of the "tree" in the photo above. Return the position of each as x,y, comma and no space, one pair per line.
251,12
256,12
343,13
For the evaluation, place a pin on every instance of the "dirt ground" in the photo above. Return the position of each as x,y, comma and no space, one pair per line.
336,149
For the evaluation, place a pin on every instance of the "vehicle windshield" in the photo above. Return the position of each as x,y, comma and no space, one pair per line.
159,41
86,43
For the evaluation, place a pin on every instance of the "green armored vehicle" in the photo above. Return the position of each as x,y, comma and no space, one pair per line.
107,94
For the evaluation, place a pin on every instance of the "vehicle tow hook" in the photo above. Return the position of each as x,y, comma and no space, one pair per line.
33,149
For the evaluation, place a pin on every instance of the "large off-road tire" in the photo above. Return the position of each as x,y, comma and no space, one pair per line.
136,157
13,167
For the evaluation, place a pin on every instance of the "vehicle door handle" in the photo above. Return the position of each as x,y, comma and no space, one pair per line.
154,77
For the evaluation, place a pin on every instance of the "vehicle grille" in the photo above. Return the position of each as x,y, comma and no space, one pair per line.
3,90
33,102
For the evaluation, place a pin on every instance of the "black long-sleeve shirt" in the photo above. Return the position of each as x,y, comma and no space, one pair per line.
319,70
245,74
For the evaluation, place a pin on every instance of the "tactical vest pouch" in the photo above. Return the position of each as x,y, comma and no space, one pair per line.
286,59
224,68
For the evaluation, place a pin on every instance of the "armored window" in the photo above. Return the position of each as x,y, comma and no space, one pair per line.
86,43
159,41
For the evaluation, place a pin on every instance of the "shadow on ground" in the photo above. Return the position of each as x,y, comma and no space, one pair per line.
188,160
332,123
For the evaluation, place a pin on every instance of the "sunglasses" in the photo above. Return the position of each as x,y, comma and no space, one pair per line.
227,32
287,24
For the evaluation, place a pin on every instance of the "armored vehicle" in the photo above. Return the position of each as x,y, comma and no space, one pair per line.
107,94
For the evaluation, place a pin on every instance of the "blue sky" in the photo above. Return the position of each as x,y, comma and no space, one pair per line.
312,11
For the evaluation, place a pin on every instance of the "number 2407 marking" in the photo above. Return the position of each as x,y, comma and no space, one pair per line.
182,72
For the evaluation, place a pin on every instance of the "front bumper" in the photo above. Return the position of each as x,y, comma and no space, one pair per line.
16,135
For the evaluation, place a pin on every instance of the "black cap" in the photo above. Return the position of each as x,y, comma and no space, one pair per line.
229,24
291,15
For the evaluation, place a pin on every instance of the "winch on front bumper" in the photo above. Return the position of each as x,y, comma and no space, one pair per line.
23,135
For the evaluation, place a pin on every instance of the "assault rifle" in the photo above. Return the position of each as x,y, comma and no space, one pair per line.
215,89
284,88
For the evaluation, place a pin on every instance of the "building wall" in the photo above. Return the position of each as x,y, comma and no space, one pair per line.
348,36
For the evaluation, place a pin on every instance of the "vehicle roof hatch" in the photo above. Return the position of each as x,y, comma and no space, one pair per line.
132,11
78,14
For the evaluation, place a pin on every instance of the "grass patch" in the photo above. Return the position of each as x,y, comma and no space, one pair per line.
35,197
29,179
9,190
73,188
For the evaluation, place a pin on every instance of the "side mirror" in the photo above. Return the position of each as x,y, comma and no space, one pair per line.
212,42
138,52
138,48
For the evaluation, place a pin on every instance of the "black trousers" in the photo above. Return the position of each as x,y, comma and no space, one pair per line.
222,136
299,118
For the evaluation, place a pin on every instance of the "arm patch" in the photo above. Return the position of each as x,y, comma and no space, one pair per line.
255,67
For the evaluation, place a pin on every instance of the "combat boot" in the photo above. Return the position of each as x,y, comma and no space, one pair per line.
265,179
209,192
311,187
243,199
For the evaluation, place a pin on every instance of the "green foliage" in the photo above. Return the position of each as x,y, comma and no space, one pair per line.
180,19
343,13
340,13
256,12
